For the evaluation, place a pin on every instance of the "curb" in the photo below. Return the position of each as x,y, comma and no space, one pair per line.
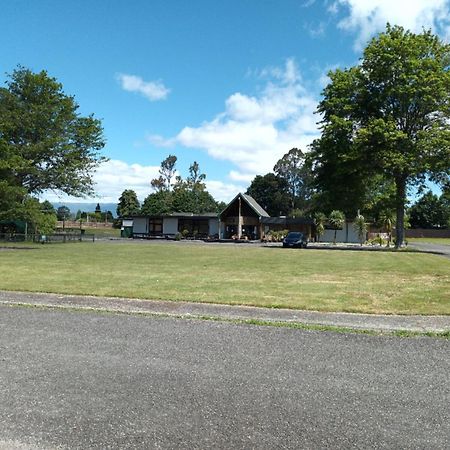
362,322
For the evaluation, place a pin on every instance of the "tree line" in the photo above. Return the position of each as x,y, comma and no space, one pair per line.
385,129
172,193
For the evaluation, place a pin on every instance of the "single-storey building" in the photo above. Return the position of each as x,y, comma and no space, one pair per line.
243,218
169,225
303,224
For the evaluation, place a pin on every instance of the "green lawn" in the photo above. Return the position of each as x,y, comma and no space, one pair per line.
103,232
326,280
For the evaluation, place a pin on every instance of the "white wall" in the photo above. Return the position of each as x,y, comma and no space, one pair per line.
140,225
170,225
347,234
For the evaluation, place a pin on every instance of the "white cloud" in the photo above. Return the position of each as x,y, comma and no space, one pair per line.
224,192
112,178
368,17
333,8
255,131
159,141
289,74
152,90
238,176
315,29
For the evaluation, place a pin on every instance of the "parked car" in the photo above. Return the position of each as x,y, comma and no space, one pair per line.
295,239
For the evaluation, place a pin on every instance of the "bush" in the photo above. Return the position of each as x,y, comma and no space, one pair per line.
277,236
378,241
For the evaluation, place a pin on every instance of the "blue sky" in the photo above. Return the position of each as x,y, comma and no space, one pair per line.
232,84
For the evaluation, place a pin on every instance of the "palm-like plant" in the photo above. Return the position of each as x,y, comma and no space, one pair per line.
336,220
360,227
319,222
387,220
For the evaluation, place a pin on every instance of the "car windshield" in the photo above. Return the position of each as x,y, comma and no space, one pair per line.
294,235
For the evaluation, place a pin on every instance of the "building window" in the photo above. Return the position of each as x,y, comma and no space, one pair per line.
193,227
155,226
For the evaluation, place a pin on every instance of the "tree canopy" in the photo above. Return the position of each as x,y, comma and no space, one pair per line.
430,211
271,192
189,195
293,168
167,172
45,144
63,213
128,204
387,120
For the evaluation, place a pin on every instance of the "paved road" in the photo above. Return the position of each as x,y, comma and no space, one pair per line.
89,380
441,249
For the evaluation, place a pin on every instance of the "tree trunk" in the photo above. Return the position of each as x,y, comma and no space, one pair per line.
400,199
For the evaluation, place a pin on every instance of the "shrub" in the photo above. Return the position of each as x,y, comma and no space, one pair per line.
360,227
277,236
377,241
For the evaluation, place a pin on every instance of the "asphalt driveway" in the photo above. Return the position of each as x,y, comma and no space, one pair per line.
90,380
440,249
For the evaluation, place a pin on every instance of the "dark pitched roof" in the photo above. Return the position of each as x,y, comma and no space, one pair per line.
189,214
255,206
287,220
181,215
251,202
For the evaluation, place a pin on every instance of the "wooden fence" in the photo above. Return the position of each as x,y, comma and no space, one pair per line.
425,233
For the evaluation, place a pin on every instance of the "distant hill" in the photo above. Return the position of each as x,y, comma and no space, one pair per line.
87,207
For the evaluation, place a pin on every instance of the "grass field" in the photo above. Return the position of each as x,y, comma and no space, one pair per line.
103,232
326,280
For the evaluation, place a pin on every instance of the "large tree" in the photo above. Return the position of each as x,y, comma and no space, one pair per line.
158,203
184,195
167,172
271,192
429,211
63,213
45,144
292,167
190,195
128,204
388,117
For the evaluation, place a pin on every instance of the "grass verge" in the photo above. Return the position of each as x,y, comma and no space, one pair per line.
256,322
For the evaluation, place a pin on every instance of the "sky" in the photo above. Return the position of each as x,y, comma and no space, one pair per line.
233,84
